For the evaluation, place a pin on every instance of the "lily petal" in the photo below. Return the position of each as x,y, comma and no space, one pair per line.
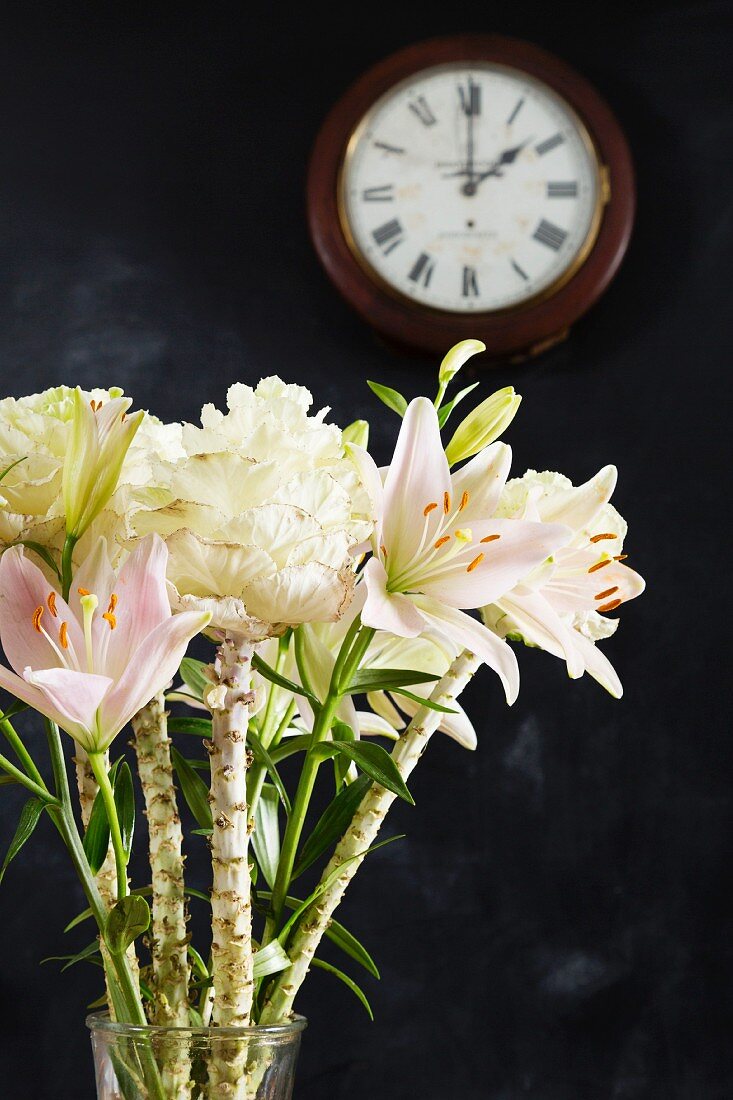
23,588
72,699
385,610
483,479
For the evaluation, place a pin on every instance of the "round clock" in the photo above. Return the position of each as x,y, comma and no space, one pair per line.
471,186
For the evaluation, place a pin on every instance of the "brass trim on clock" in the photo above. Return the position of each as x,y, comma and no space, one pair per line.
602,189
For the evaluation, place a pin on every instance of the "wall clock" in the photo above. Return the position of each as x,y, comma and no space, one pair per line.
471,186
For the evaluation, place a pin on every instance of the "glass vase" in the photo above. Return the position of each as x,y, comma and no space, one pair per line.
197,1063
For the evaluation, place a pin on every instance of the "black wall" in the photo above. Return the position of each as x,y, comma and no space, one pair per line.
554,926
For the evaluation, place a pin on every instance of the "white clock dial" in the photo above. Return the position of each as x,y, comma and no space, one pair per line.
470,188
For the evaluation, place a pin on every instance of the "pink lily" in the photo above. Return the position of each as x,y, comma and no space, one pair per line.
92,663
437,548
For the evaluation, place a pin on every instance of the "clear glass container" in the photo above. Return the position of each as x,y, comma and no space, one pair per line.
179,1063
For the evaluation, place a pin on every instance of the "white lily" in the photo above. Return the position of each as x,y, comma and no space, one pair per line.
438,550
561,606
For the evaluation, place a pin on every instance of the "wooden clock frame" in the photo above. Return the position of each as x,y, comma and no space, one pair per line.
529,327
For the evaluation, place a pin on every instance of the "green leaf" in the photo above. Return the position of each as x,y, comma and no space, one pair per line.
340,731
423,702
290,746
337,934
127,920
194,790
7,780
125,803
42,553
87,953
16,707
4,473
270,960
266,835
199,727
355,989
194,677
371,759
282,681
391,398
197,963
333,823
29,817
446,410
387,679
96,837
262,755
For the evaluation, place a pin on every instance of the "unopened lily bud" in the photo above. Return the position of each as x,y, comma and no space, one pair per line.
101,435
357,432
456,357
482,426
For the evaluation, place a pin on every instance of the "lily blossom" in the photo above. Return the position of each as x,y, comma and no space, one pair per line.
92,663
100,438
438,548
562,606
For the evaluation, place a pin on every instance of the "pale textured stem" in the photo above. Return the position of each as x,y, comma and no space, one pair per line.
230,700
169,936
106,877
359,837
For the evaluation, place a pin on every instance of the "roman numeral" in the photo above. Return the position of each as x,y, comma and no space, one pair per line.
549,143
385,193
470,98
548,234
388,148
522,274
470,282
562,190
515,112
388,236
421,108
422,270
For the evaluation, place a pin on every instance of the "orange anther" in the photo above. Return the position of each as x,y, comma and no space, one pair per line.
83,591
609,606
464,500
51,601
429,508
442,541
113,601
111,619
490,538
64,636
446,503
598,538
621,557
600,564
476,561
37,616
606,592
383,548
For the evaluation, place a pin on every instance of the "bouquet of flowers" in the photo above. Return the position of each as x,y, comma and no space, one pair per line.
346,606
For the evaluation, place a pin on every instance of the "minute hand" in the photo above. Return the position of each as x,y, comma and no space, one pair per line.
507,157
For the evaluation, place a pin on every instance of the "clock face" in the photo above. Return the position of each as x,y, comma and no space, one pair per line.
471,187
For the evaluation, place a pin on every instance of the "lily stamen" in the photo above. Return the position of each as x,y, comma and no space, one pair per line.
446,502
51,602
442,541
430,508
600,564
490,538
114,600
620,557
64,636
599,538
464,500
83,591
37,616
606,592
476,561
610,606
111,619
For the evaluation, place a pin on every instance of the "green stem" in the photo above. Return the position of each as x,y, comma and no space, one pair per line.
96,759
22,778
352,651
66,564
21,752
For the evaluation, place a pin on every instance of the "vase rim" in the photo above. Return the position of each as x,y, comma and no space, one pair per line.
100,1021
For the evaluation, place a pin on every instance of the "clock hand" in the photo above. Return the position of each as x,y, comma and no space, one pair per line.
475,178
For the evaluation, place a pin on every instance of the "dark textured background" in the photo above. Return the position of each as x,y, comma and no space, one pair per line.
555,924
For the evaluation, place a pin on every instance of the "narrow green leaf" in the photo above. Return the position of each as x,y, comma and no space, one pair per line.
4,473
96,837
199,727
446,410
332,824
194,677
371,759
202,832
197,963
423,702
262,755
194,790
125,803
391,398
127,920
266,835
29,817
290,746
349,982
387,679
282,681
16,707
337,933
87,952
270,960
7,780
340,731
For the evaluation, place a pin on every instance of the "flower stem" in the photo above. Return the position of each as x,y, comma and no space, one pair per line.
352,651
359,837
20,777
20,751
96,760
66,564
